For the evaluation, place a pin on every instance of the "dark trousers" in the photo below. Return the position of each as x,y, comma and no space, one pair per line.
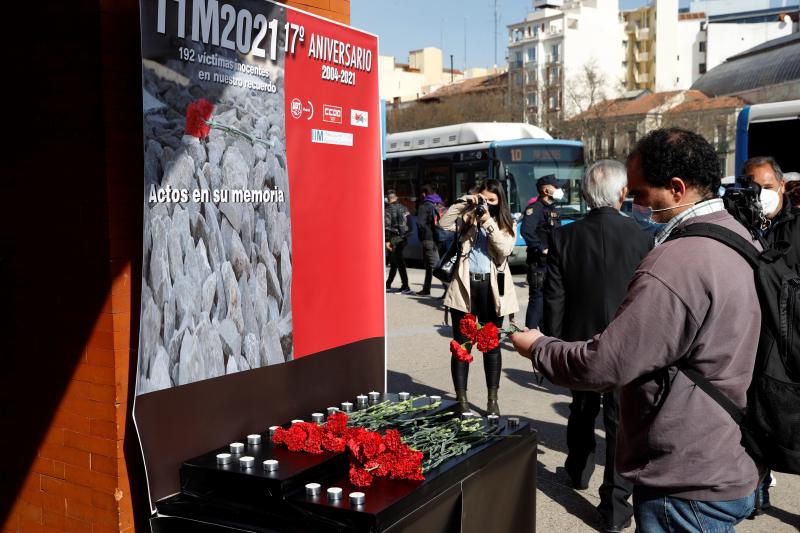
397,262
482,306
430,258
615,491
535,311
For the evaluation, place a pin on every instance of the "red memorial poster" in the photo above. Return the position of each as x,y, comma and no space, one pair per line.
262,238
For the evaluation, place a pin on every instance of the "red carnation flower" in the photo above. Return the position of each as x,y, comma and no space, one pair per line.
280,436
488,338
337,423
459,352
469,326
360,477
198,113
371,445
313,441
332,443
392,440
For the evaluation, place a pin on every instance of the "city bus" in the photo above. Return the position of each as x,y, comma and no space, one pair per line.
452,159
769,130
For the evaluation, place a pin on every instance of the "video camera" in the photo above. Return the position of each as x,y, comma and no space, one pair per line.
743,201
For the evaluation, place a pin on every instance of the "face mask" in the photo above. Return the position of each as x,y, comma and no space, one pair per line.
558,194
643,215
770,200
494,210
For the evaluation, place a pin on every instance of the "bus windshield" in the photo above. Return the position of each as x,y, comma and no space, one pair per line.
522,165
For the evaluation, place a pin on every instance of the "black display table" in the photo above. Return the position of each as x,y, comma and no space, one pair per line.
492,488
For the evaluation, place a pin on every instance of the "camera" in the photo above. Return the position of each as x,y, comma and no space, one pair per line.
480,207
743,201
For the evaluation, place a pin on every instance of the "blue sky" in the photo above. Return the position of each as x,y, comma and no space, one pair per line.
404,25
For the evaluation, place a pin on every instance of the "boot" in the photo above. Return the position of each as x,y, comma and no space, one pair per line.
491,406
463,403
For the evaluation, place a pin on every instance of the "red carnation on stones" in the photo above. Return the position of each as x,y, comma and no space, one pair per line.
469,327
360,477
198,113
459,352
488,338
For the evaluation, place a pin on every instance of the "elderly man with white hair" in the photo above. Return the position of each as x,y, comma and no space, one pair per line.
589,266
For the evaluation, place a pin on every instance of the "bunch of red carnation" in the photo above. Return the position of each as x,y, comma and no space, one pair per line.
486,337
371,454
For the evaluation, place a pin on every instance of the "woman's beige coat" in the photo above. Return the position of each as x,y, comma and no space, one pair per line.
501,244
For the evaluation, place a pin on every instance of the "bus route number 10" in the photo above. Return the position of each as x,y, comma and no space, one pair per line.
516,154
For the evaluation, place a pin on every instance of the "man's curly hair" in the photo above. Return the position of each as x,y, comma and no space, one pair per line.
675,152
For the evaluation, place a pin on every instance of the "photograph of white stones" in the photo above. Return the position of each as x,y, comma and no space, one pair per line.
216,276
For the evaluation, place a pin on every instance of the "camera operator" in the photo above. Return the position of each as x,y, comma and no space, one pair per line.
783,218
482,284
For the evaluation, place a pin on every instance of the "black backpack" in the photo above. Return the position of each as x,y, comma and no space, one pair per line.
771,421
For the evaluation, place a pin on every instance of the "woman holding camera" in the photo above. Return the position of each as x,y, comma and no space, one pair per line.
482,283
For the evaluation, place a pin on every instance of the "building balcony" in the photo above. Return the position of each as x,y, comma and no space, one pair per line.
514,64
641,57
553,59
642,34
642,77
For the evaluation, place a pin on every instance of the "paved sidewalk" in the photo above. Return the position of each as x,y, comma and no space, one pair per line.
419,361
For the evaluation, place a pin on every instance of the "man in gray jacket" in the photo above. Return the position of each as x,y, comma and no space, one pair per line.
692,302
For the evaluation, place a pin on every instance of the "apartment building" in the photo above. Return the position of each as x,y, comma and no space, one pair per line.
688,43
550,51
424,73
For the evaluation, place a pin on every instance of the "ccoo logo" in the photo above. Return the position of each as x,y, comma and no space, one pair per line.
332,114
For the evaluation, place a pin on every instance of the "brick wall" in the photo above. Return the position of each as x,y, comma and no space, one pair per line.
75,257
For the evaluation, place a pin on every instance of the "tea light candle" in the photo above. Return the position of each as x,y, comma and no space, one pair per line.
236,448
272,430
254,439
357,498
347,407
313,490
270,465
513,421
334,494
317,418
332,410
246,461
435,399
223,458
403,396
493,419
362,401
374,397
297,421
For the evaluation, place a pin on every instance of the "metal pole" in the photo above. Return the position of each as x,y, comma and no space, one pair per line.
495,32
452,74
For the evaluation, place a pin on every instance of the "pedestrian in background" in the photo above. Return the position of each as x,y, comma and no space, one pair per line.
692,302
589,266
428,216
397,228
784,225
482,284
783,217
538,222
793,192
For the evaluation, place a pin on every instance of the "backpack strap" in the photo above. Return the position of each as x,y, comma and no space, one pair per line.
720,234
753,256
717,395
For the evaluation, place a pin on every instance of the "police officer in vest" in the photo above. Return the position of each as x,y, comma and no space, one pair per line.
540,219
